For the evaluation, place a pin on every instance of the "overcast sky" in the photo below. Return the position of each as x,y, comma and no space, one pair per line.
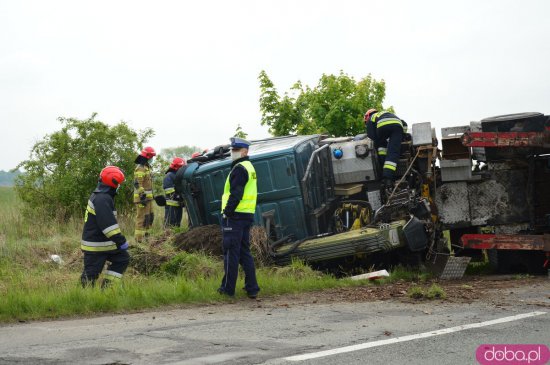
189,69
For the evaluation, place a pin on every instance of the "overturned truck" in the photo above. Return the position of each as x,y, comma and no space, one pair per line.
320,199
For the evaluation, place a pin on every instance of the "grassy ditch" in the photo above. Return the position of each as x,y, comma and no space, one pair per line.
33,287
53,292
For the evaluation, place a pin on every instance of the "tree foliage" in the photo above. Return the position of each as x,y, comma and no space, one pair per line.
335,106
184,152
63,167
239,132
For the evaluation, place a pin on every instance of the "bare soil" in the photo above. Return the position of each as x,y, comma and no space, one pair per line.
495,290
207,239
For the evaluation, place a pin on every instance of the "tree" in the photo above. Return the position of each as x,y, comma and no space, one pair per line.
240,133
63,167
335,106
184,152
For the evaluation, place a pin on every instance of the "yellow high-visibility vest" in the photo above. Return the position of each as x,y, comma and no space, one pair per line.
250,194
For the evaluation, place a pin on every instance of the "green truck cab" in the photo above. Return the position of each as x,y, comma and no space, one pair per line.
300,201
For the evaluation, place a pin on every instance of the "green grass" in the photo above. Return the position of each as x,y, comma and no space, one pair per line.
479,268
433,292
33,287
522,276
482,267
49,291
400,273
416,292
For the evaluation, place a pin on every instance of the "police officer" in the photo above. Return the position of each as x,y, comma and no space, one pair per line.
238,207
386,130
173,211
143,193
102,239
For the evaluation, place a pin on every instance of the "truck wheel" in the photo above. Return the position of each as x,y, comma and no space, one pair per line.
516,261
492,256
499,261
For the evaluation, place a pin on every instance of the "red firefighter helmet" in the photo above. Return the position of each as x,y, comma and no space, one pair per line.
369,113
111,176
148,152
177,162
195,154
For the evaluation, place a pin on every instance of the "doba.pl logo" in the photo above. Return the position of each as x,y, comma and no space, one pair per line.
513,354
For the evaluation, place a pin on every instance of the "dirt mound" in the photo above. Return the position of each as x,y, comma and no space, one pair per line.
206,239
147,259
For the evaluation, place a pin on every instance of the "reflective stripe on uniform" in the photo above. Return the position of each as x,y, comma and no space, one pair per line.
388,121
390,165
90,210
169,190
149,194
97,246
111,231
382,151
112,275
172,203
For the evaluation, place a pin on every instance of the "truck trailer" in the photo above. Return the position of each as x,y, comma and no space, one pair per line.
486,186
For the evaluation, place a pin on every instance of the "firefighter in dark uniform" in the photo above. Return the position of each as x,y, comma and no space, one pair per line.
102,239
386,130
143,193
173,211
238,207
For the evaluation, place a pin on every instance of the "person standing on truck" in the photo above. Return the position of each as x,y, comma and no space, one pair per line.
386,131
143,193
102,239
173,211
238,207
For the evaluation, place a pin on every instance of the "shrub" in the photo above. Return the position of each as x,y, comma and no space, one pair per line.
64,166
435,292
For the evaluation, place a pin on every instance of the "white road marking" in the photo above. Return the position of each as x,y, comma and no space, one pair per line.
417,336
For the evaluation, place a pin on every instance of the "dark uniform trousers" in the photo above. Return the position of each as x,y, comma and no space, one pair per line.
390,137
173,216
236,250
95,261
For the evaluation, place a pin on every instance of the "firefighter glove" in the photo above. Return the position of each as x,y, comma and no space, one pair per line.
143,198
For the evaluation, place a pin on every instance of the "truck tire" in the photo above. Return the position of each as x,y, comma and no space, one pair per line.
516,261
493,257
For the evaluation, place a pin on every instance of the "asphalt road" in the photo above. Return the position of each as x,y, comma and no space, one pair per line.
276,330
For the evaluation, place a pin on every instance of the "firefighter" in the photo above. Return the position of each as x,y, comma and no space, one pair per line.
386,130
143,193
173,211
238,207
102,239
